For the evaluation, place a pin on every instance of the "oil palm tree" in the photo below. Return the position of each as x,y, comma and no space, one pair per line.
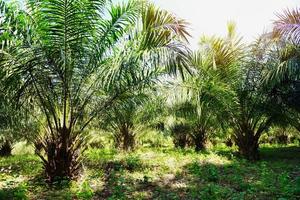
199,102
254,111
283,74
127,120
82,57
12,32
207,92
122,121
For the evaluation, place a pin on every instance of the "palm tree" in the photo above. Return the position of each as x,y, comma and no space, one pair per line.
203,95
249,121
12,32
282,76
269,92
122,120
199,103
254,111
127,120
80,58
6,119
180,133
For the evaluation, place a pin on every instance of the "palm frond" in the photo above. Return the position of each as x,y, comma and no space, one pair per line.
287,25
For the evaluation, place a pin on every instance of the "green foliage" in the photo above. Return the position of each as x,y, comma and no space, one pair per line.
180,133
133,162
18,193
209,172
149,173
86,192
297,184
207,96
154,138
82,58
71,70
282,75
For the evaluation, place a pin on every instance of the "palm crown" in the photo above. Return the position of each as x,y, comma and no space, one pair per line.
81,56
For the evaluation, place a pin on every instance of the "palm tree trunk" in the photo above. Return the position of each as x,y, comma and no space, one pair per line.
129,141
199,139
247,143
62,155
180,141
128,138
6,148
117,140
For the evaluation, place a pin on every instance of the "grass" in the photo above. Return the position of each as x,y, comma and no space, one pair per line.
161,174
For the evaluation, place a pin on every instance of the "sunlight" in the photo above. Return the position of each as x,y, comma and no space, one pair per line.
216,160
113,99
253,17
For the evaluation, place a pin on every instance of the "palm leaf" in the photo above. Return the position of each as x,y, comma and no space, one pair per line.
287,25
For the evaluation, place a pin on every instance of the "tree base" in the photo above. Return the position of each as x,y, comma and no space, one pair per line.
199,148
6,149
247,142
250,153
60,156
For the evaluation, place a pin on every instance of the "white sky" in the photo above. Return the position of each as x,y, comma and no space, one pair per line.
252,17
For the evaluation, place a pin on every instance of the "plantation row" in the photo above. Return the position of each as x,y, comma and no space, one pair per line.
73,72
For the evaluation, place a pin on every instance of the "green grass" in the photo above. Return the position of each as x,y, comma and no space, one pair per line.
161,174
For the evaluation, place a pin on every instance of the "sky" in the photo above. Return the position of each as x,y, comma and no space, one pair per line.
210,17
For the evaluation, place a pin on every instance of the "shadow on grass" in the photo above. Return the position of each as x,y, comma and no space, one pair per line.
36,187
289,154
227,153
22,177
115,182
195,182
16,193
274,177
186,151
238,179
268,154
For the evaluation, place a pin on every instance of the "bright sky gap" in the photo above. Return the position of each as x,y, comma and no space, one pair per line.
209,17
